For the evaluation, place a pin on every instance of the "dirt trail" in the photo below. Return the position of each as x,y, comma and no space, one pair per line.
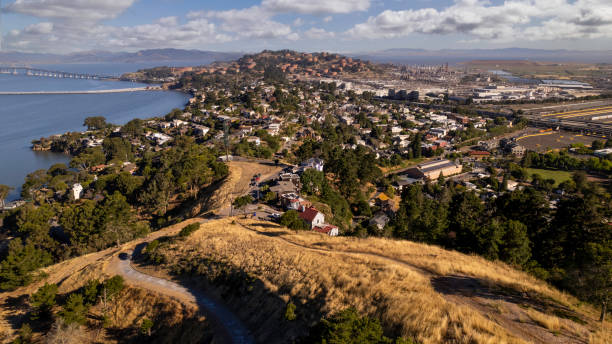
241,174
229,327
452,292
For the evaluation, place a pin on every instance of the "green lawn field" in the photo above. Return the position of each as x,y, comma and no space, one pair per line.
558,176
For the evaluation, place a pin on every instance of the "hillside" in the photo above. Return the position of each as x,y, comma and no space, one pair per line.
256,268
149,55
420,56
266,64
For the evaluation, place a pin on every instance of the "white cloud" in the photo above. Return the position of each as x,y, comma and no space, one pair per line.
318,33
316,6
166,32
39,28
71,9
169,21
327,19
298,22
252,22
512,20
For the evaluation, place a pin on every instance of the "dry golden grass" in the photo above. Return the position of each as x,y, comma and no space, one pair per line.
546,321
402,297
379,277
222,196
238,180
174,322
438,261
69,275
387,279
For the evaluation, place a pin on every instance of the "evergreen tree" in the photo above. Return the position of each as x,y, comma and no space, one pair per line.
43,300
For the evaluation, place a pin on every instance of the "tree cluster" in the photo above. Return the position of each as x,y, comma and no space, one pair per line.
562,245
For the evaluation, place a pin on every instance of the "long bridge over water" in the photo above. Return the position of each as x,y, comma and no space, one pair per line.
37,72
115,90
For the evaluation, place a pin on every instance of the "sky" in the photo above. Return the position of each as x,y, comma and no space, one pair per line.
65,26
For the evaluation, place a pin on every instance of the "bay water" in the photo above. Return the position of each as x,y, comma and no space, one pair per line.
24,118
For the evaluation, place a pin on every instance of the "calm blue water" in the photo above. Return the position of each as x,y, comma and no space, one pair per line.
9,82
512,78
24,118
115,69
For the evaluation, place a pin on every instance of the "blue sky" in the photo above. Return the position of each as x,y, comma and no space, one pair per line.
61,26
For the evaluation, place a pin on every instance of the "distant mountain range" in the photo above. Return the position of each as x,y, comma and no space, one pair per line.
453,56
402,56
169,56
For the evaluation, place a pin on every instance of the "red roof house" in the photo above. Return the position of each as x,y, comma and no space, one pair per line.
312,217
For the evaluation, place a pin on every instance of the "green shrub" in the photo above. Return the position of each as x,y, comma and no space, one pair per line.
187,230
152,246
91,292
292,220
290,312
114,285
74,310
349,327
43,300
145,326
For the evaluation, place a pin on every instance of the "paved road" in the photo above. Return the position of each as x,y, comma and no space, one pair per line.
231,328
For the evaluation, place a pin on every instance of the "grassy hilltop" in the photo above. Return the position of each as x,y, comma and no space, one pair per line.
418,292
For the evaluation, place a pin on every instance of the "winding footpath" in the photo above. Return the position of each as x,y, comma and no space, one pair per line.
230,328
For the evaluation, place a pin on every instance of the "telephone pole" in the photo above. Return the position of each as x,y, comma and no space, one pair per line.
225,139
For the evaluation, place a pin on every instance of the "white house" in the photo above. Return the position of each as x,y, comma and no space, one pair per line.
327,229
312,217
159,138
315,163
177,123
77,191
254,140
200,130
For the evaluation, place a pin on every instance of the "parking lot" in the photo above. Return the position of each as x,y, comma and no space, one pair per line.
541,142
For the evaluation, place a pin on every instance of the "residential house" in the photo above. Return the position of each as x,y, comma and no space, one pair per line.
274,128
438,132
315,163
405,181
327,229
254,140
283,187
292,201
129,167
396,130
159,138
178,123
312,217
200,130
346,120
380,220
77,191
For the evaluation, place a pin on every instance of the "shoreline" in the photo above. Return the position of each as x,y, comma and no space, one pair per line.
119,90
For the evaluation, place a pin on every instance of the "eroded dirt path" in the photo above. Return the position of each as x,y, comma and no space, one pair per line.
229,327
